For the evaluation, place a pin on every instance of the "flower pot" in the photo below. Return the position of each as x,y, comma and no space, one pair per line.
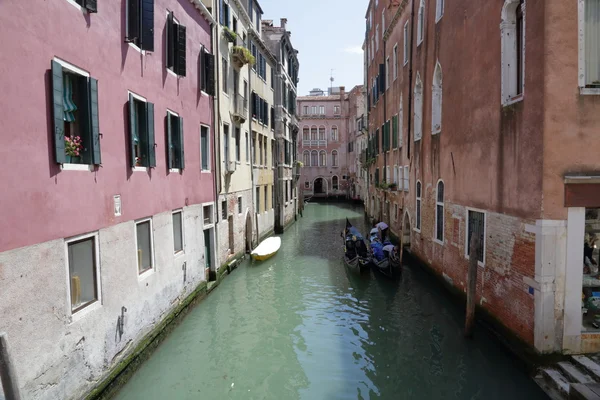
72,159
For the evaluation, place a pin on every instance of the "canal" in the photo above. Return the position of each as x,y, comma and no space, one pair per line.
300,326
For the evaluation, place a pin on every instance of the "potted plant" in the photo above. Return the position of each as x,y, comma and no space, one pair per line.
229,35
73,148
393,186
242,56
300,164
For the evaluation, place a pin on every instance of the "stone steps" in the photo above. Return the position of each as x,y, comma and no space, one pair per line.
570,379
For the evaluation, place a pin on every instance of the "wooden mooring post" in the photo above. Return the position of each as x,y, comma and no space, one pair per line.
9,383
472,282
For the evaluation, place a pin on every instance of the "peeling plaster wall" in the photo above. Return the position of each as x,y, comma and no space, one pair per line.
57,355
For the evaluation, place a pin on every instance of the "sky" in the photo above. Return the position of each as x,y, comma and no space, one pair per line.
328,34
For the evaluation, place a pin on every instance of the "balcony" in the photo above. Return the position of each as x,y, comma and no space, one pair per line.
314,143
241,56
239,109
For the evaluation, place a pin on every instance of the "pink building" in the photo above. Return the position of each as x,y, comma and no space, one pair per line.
323,144
107,207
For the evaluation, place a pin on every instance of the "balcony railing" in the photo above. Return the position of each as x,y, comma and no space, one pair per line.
314,143
239,109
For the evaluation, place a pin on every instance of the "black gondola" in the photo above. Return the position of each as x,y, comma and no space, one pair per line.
385,257
356,254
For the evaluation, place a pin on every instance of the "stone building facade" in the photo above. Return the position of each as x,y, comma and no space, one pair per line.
492,139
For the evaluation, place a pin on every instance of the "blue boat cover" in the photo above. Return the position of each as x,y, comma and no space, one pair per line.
354,232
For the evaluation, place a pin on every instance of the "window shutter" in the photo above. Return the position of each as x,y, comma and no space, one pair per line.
181,150
221,15
170,42
147,25
58,112
91,6
181,55
209,65
93,90
132,128
395,131
133,20
150,129
169,141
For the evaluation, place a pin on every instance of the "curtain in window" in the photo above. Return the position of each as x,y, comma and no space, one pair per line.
592,42
69,104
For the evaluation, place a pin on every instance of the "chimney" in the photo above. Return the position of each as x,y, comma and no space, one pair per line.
283,22
342,92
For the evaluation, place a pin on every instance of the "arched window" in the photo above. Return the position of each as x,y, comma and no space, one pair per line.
334,183
321,133
314,159
418,210
305,133
334,158
436,99
334,133
421,23
513,37
306,158
313,133
323,158
418,118
439,212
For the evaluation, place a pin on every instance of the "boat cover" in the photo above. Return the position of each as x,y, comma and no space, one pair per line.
352,231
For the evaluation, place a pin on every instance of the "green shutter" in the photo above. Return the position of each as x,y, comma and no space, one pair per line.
169,141
181,151
171,43
132,128
58,112
150,131
181,51
395,130
94,120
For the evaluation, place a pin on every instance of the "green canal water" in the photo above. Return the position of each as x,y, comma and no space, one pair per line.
300,326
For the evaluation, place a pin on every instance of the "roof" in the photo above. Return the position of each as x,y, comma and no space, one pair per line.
321,98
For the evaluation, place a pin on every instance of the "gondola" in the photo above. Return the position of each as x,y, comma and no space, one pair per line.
385,257
356,254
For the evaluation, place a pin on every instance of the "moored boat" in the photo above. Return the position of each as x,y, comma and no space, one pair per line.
356,254
266,249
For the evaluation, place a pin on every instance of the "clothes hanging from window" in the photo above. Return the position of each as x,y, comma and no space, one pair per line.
69,106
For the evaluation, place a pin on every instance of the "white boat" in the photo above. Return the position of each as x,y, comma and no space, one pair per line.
267,248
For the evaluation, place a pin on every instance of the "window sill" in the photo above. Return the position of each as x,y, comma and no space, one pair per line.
139,169
137,48
77,167
589,91
205,171
436,132
479,263
513,100
175,170
144,275
179,253
417,230
77,6
78,315
441,243
172,72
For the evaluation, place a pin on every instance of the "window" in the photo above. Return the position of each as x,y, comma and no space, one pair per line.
141,132
226,145
322,158
395,131
306,185
401,124
207,213
395,61
439,10
421,23
175,153
225,76
334,183
83,279
305,110
238,147
239,204
224,210
395,180
476,225
145,257
314,159
205,148
224,13
247,148
140,24
418,116
90,6
334,133
387,73
176,50
418,210
321,133
436,108
377,37
336,110
406,43
334,158
177,232
266,197
372,49
589,57
75,108
273,153
314,110
513,37
406,178
305,133
382,24
322,110
258,200
439,212
306,158
272,197
272,78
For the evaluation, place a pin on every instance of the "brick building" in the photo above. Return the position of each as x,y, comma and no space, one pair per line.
492,138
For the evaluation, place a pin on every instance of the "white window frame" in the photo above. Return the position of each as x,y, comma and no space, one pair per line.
395,60
337,110
377,37
508,33
581,57
77,315
205,171
211,222
436,108
176,170
405,53
438,203
144,100
418,206
321,110
382,24
406,178
418,110
169,69
337,159
372,49
182,251
335,138
401,123
421,23
149,271
439,10
481,264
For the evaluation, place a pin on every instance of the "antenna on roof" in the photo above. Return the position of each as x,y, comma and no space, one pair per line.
331,79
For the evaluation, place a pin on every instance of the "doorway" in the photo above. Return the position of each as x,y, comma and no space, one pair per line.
248,233
208,255
318,186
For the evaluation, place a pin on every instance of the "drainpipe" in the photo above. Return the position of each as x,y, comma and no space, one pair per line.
385,161
252,149
410,75
216,141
